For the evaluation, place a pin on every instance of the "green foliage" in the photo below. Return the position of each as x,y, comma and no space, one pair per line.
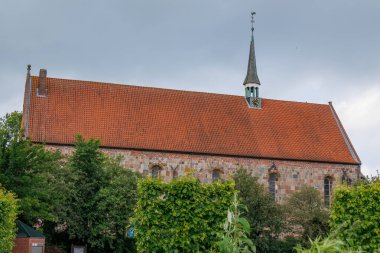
114,207
8,214
102,200
86,163
31,172
263,214
181,216
236,232
305,213
326,245
356,210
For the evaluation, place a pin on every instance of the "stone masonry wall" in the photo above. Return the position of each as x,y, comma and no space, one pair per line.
291,175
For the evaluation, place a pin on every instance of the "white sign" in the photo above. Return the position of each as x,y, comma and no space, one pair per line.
78,250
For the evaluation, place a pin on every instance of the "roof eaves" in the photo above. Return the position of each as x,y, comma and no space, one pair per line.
345,135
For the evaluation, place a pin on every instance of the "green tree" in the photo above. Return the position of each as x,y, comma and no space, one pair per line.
102,203
115,202
31,172
263,214
306,214
86,163
8,214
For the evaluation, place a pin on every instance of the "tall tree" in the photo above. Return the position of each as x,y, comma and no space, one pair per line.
263,214
103,200
31,172
86,162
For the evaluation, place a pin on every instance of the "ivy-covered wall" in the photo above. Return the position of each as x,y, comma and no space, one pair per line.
180,216
356,215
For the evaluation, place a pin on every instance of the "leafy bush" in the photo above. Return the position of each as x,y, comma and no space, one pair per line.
8,214
236,232
326,245
181,216
263,214
356,210
306,215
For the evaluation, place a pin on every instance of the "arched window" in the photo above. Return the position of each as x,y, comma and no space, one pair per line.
272,184
215,175
327,190
155,171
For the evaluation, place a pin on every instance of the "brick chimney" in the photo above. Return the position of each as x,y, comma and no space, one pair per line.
41,90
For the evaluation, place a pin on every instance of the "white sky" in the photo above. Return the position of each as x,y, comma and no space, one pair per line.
315,51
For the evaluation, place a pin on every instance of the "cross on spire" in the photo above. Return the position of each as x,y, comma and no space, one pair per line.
252,21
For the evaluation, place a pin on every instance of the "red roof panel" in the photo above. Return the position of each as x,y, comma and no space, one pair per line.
124,116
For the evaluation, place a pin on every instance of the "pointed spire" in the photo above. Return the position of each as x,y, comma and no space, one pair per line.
252,77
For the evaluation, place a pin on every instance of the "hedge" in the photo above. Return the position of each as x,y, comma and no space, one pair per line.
356,215
8,214
180,216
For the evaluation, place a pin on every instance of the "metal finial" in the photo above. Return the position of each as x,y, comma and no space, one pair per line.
29,67
252,21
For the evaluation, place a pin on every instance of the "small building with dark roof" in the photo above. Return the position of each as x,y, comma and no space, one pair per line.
28,240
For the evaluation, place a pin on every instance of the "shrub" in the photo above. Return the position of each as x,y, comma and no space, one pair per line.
8,214
181,216
327,245
356,212
306,214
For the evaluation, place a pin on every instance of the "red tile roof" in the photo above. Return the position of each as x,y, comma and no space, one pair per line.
124,116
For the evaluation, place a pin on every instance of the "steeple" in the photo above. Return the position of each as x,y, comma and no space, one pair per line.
252,77
252,82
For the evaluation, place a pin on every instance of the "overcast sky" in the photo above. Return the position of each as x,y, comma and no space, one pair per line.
307,50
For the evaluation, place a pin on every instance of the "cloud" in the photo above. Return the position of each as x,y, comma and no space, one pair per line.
360,114
361,111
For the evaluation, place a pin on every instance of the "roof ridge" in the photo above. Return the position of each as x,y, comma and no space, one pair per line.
175,90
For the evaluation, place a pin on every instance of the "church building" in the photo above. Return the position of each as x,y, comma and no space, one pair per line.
168,133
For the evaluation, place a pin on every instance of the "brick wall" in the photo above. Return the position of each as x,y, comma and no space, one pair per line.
23,245
291,175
